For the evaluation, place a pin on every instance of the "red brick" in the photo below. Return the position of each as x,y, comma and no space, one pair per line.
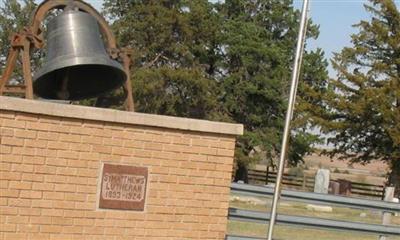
11,141
30,194
17,219
7,114
4,184
82,147
4,150
8,227
85,206
15,236
83,222
43,186
13,123
38,126
46,153
8,211
67,154
77,163
56,162
10,158
122,151
53,195
67,171
27,117
64,205
24,151
59,128
18,202
33,160
22,168
60,220
55,179
40,220
9,132
35,143
64,187
89,156
72,229
27,228
76,197
9,193
45,169
50,229
40,203
70,138
92,140
48,136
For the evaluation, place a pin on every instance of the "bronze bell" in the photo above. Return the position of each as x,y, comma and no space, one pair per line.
77,65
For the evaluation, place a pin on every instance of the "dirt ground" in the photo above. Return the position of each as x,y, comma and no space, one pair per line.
372,173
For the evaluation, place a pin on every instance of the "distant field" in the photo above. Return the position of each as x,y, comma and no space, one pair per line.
373,173
294,233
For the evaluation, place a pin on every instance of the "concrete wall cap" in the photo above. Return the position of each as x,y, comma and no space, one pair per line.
110,115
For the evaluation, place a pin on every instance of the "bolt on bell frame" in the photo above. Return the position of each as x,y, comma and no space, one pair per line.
31,37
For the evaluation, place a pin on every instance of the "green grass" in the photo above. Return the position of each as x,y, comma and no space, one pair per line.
298,233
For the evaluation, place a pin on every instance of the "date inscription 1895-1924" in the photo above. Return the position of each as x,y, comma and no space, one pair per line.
123,187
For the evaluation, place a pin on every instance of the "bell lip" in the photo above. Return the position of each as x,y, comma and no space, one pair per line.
71,61
79,61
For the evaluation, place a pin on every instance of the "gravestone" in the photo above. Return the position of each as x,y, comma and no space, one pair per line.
345,187
334,188
321,181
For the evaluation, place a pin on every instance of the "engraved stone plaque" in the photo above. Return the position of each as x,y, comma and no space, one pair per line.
123,187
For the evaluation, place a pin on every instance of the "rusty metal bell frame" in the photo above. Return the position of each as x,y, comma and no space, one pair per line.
77,65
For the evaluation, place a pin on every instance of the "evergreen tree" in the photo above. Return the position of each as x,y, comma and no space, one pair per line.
176,52
363,101
228,61
259,48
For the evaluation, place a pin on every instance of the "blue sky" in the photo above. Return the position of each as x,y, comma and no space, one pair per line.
335,18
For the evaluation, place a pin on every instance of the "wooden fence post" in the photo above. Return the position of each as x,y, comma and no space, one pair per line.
267,176
386,216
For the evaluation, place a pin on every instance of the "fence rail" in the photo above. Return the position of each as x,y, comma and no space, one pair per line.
323,199
262,177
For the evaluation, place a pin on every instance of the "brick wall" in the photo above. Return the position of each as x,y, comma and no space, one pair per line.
50,168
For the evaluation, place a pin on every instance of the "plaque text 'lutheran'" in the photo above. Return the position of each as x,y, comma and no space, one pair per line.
123,187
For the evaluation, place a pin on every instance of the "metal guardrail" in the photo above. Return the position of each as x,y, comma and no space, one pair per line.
263,217
317,198
323,199
242,238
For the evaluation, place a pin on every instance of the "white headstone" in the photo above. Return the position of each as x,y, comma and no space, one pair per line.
321,181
